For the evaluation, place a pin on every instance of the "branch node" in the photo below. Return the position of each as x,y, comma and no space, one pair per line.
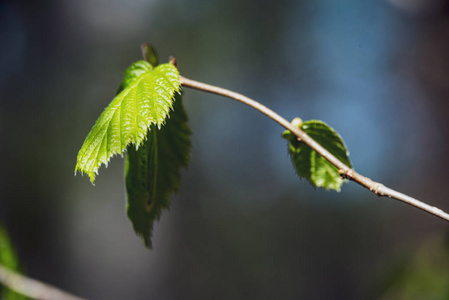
346,174
376,188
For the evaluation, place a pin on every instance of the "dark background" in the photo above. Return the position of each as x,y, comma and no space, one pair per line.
243,226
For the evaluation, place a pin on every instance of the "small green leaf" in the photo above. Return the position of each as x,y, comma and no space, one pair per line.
153,171
149,53
145,100
8,259
312,166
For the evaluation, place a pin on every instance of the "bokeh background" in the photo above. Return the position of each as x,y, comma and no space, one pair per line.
243,226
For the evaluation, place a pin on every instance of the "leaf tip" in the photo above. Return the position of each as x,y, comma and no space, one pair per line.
92,177
88,173
147,241
149,54
287,135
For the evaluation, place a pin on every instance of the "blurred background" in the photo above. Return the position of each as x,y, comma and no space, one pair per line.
243,225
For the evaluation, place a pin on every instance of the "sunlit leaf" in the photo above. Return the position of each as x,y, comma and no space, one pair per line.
133,72
311,165
146,101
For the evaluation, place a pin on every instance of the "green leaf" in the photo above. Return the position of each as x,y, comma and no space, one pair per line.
8,259
153,171
145,100
133,72
419,274
149,53
311,165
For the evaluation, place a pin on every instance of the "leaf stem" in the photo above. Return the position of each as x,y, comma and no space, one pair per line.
31,287
346,172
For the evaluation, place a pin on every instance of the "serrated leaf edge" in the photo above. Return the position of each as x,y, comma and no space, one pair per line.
137,140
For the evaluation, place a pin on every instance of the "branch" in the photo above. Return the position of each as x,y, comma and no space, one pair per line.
346,172
31,287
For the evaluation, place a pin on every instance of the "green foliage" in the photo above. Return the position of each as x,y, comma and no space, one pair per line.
155,153
145,98
133,72
153,171
423,275
311,165
149,53
8,258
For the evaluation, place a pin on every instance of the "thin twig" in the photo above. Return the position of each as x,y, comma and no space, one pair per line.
31,287
346,172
